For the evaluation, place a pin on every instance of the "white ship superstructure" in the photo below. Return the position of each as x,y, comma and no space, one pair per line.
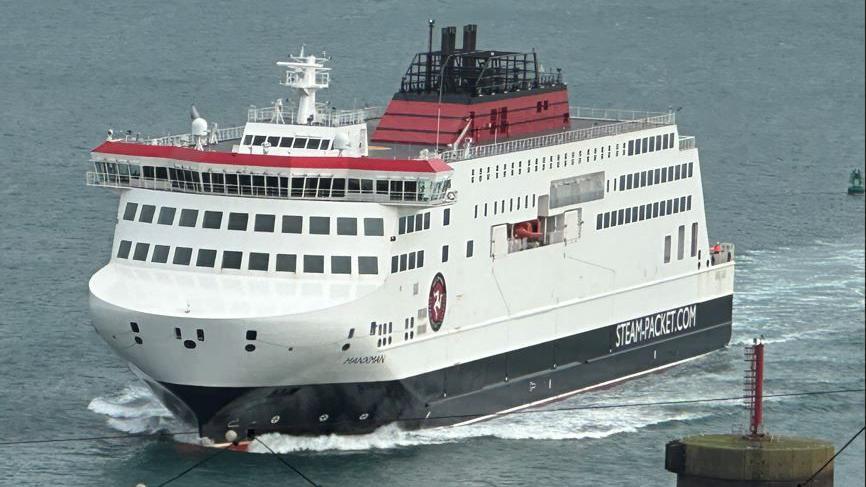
490,248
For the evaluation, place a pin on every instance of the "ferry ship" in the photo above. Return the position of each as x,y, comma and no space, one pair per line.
477,247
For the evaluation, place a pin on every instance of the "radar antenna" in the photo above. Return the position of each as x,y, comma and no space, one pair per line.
307,74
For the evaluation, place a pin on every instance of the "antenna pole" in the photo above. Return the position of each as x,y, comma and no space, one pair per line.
430,23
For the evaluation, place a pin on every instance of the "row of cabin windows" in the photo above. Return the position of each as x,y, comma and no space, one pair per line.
650,144
610,219
413,223
255,261
654,176
681,243
288,142
278,186
514,204
317,225
561,160
407,262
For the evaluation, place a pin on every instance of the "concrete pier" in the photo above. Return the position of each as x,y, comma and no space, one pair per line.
741,461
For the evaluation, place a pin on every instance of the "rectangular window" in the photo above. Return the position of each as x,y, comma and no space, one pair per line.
182,255
644,145
670,173
212,219
238,221
367,265
667,249
292,224
146,215
205,258
628,182
420,258
664,175
691,168
374,227
320,225
347,226
341,264
188,217
656,209
286,142
160,254
314,264
631,147
265,223
395,260
401,225
259,139
676,205
694,249
411,260
658,142
642,213
123,249
419,222
166,215
677,172
287,262
652,144
642,179
634,213
141,250
649,178
665,144
232,259
446,217
470,247
663,208
258,261
620,217
427,221
607,220
627,216
444,253
129,211
689,202
299,143
248,140
670,206
404,262
681,242
598,221
657,178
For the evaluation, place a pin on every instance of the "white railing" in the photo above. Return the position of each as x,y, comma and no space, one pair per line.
611,114
558,138
185,140
332,118
687,143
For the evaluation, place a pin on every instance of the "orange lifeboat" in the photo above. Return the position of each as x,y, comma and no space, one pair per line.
527,230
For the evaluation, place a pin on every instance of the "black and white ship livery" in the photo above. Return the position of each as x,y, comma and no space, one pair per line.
477,247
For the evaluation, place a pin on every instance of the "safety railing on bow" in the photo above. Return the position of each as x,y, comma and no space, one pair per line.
687,143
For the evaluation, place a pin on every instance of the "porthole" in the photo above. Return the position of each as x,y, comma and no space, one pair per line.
323,418
138,340
133,326
249,348
363,416
189,344
345,347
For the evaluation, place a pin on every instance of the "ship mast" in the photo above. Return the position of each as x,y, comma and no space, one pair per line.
307,75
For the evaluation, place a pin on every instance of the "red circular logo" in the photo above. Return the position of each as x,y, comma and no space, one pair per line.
436,302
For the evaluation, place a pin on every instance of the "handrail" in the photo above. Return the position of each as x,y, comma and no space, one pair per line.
612,114
185,140
687,142
332,118
557,138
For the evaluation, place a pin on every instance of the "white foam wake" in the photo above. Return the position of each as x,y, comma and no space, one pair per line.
135,410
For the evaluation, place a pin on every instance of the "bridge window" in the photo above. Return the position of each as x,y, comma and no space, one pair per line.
313,143
160,254
273,141
286,262
129,211
123,249
258,261
205,258
238,221
232,259
292,224
299,143
258,140
286,142
264,223
182,255
248,140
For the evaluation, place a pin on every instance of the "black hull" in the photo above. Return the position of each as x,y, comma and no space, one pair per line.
455,394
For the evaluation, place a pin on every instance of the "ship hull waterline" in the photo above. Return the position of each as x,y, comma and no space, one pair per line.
459,394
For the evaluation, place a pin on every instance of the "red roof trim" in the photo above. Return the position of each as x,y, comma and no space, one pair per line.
184,154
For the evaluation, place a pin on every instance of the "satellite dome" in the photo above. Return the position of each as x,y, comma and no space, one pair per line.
199,125
341,141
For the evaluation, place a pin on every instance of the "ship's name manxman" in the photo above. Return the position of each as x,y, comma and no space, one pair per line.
365,360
